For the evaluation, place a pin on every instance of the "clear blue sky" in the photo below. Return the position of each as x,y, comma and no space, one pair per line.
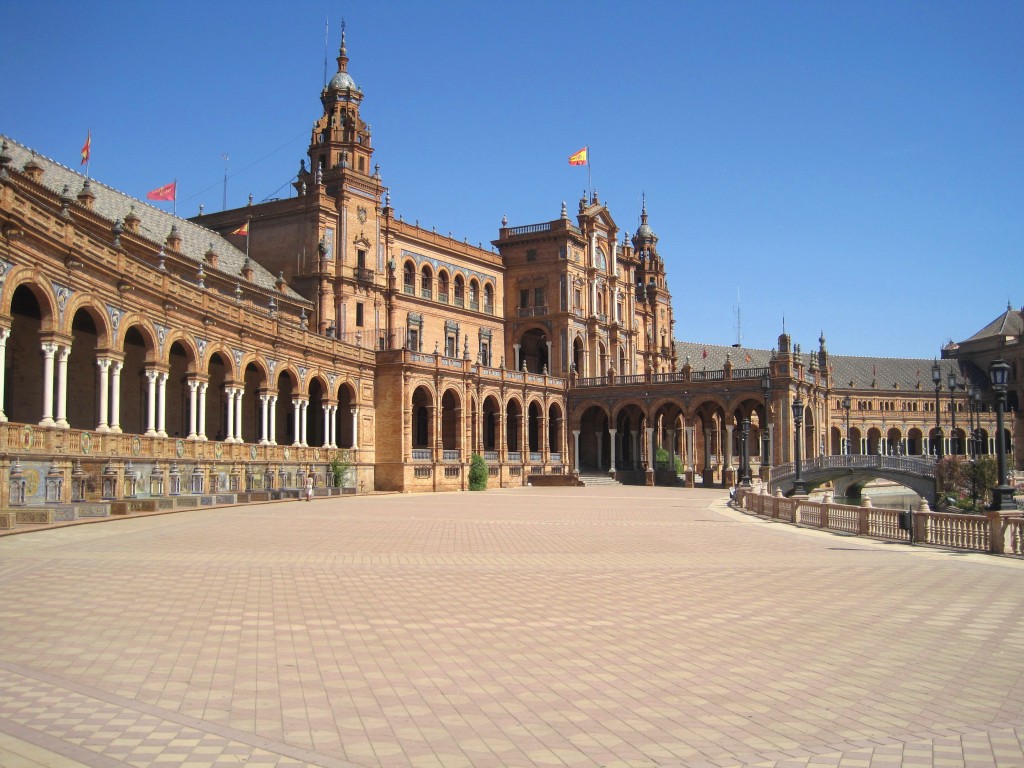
856,167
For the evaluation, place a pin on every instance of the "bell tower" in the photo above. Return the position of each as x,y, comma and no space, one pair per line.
340,144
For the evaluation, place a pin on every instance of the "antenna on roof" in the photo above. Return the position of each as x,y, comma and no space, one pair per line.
739,323
327,33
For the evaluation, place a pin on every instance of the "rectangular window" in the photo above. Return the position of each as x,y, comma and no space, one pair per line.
359,314
524,298
414,339
538,297
450,346
361,258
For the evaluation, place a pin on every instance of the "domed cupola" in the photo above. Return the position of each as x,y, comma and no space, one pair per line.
644,239
341,87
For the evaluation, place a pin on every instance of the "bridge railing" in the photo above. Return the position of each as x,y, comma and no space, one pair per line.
994,532
919,466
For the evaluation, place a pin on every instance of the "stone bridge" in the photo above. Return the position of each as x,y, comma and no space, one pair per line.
850,473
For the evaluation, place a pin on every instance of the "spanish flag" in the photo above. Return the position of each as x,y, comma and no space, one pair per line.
242,230
580,158
86,148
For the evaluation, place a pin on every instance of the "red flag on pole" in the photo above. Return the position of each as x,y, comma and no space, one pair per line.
166,192
86,148
705,353
242,230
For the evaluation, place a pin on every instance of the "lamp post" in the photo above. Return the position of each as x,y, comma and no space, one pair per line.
799,489
1002,494
846,439
972,402
937,380
766,436
745,455
951,382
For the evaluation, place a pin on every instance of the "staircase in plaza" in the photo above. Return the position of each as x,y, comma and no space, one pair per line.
597,478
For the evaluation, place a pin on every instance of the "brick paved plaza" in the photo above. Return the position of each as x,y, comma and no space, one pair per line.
547,626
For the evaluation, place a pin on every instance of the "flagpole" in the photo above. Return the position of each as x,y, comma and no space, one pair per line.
174,200
589,184
88,156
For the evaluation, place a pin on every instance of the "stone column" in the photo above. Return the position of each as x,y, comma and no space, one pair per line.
193,397
239,394
515,348
651,453
272,437
327,426
104,386
613,433
201,430
771,445
334,426
49,350
151,403
4,335
671,449
115,396
230,436
264,418
355,427
296,415
303,423
600,448
551,360
728,446
62,386
161,404
576,452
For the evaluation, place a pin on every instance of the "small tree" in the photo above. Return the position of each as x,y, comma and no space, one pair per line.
339,469
477,473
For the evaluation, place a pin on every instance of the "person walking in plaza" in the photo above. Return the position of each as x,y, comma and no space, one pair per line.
309,487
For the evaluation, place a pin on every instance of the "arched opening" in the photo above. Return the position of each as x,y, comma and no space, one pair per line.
344,416
957,442
856,441
874,441
134,384
315,434
409,278
422,424
513,426
474,294
555,432
459,291
533,426
835,441
579,356
451,421
628,431
287,427
935,441
23,398
216,402
488,299
491,425
915,442
177,396
82,382
533,351
894,442
595,445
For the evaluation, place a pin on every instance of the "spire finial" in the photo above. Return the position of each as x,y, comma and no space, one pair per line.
343,51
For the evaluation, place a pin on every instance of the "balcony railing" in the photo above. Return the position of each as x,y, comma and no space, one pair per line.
450,455
362,274
422,454
426,293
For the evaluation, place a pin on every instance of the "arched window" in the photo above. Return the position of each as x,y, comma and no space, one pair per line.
426,282
460,299
442,286
474,294
488,299
409,278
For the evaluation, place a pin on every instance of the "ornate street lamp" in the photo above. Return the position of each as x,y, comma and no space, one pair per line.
846,406
1002,494
937,380
799,489
766,437
951,382
745,469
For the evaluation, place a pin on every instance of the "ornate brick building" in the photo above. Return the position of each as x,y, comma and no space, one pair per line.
146,356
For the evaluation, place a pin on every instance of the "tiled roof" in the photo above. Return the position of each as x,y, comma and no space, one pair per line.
848,371
1010,323
154,224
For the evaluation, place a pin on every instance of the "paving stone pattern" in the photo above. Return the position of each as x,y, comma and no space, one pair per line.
522,627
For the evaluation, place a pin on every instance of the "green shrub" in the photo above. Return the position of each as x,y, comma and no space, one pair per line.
477,473
339,469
